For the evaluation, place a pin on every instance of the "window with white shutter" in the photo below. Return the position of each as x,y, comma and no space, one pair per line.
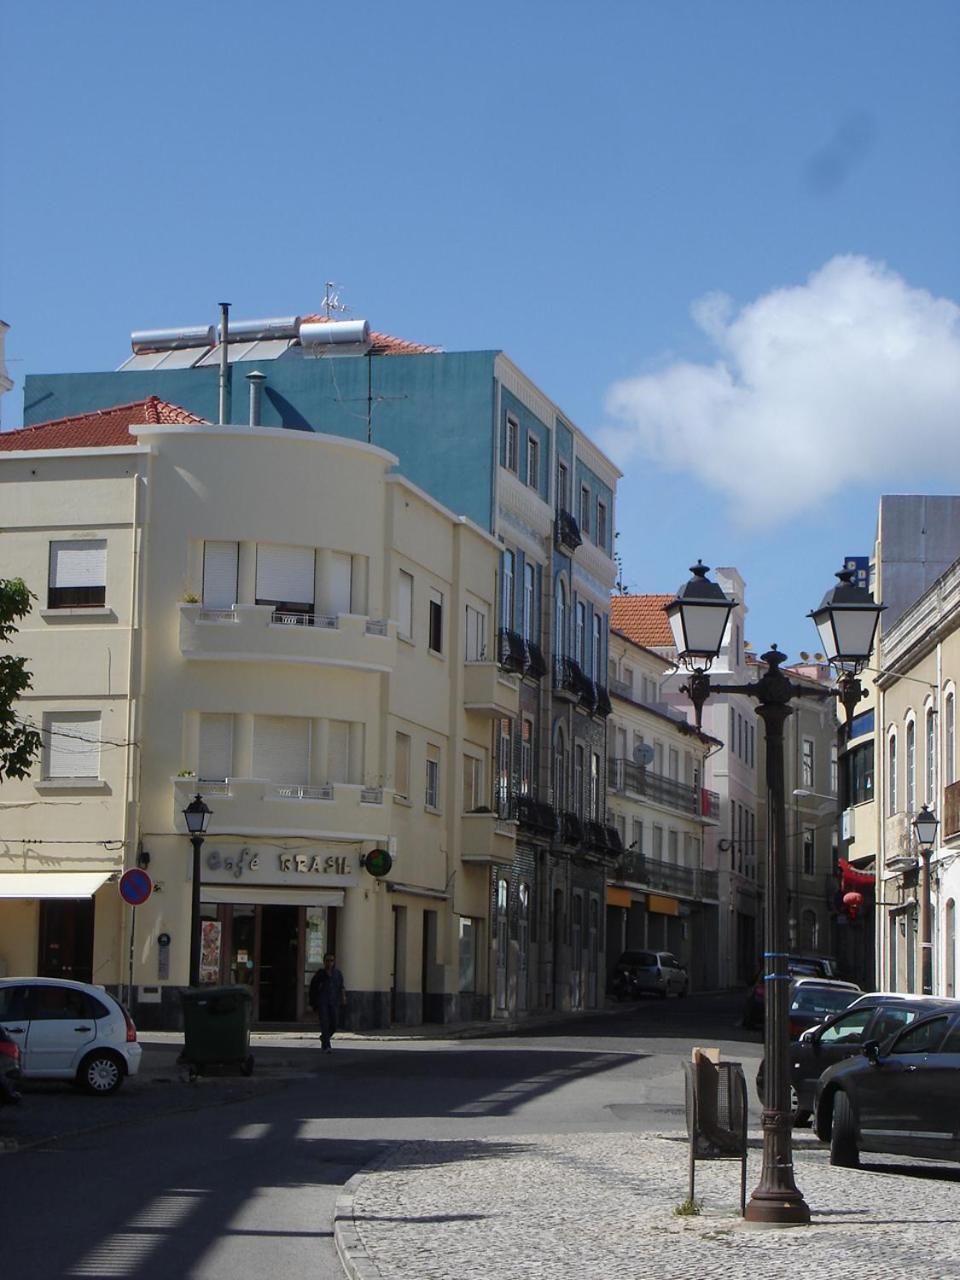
71,744
405,605
220,560
78,574
341,584
285,577
281,748
215,761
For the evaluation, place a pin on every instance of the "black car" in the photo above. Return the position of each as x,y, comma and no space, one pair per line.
900,1098
876,1016
797,967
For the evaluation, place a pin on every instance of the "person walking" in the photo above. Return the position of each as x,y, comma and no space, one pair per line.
327,997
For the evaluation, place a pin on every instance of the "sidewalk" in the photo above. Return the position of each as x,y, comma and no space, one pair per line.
595,1206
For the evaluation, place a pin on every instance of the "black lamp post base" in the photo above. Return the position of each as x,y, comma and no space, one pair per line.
777,1208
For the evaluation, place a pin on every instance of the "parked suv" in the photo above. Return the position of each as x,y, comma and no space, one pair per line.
69,1031
640,973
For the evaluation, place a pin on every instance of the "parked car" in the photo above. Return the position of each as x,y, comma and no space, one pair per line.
798,966
69,1031
814,999
876,1015
899,1098
640,973
9,1068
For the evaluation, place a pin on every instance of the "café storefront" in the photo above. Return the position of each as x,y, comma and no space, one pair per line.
269,911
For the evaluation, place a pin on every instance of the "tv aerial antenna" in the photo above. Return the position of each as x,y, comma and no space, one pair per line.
331,300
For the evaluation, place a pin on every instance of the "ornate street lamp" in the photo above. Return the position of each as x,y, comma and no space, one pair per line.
925,825
197,816
843,616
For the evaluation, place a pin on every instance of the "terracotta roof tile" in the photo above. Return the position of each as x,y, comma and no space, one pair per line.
102,428
642,619
382,344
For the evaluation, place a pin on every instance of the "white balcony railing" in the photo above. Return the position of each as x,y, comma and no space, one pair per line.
295,791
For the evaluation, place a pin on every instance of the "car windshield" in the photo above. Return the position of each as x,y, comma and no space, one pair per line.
821,1000
638,957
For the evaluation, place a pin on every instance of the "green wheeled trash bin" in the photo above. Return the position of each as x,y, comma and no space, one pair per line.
216,1030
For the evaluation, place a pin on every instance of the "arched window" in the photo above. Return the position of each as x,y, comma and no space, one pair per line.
506,600
560,639
809,931
529,581
892,773
911,763
559,770
949,737
579,640
930,790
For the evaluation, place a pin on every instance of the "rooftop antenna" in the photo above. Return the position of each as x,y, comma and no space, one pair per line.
618,560
331,299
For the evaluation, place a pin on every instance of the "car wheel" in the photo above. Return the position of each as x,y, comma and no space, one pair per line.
101,1073
843,1137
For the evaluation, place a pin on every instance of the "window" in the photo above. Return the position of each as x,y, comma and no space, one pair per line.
923,1037
673,847
526,757
510,448
628,679
636,835
338,750
732,731
71,744
597,655
595,797
435,632
529,600
472,783
559,771
579,639
405,604
578,780
220,561
476,645
848,1029
931,761
911,766
285,577
834,769
533,462
658,843
601,524
892,775
806,763
751,742
431,797
506,593
673,757
563,486
339,586
584,510
560,639
504,763
281,749
78,572
949,738
860,773
809,851
401,766
215,759
467,953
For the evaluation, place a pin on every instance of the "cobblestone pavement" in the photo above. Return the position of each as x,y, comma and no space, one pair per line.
601,1205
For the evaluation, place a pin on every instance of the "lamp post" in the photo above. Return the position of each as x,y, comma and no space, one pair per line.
196,815
925,824
698,616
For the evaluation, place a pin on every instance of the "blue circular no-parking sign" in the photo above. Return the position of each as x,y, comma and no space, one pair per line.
135,887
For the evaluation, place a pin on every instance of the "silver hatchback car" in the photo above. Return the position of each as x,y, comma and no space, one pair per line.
650,973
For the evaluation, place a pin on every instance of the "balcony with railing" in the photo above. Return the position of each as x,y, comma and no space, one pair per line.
490,690
566,531
667,877
325,810
255,633
625,777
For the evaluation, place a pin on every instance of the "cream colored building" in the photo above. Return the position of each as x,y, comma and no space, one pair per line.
663,894
279,621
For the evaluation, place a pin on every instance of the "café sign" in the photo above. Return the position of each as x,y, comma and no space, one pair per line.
304,866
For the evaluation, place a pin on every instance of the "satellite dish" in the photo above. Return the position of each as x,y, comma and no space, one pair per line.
643,754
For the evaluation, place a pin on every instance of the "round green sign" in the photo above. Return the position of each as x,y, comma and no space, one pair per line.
378,862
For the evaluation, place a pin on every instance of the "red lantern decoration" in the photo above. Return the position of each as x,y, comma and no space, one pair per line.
852,902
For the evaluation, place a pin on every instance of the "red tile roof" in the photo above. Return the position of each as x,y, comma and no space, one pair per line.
642,619
382,344
102,428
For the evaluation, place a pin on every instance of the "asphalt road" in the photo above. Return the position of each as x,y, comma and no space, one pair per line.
239,1178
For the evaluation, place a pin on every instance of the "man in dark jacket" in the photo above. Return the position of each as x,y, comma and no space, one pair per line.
327,996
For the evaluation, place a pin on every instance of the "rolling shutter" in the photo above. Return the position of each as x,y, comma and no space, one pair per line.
220,574
215,761
285,574
281,748
72,744
338,750
341,581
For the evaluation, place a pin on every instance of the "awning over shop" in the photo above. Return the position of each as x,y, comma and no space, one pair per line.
618,897
275,897
662,906
51,884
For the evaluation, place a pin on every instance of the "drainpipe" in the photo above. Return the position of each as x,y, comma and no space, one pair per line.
256,381
224,361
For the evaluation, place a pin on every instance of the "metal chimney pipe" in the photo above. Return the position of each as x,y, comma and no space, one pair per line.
256,380
224,361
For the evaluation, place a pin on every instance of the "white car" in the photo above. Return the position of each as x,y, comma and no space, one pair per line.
69,1031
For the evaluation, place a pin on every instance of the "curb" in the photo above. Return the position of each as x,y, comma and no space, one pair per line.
350,1248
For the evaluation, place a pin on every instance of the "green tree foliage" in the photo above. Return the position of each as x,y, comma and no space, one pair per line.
19,744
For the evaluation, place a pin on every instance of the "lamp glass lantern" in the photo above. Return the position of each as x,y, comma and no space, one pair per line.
197,816
698,616
847,622
926,824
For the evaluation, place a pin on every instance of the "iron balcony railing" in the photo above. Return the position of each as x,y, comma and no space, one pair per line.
668,877
567,531
627,776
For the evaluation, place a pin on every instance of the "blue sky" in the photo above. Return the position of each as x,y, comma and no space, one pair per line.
722,236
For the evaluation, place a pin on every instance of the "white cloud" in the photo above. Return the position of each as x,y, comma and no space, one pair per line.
852,378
